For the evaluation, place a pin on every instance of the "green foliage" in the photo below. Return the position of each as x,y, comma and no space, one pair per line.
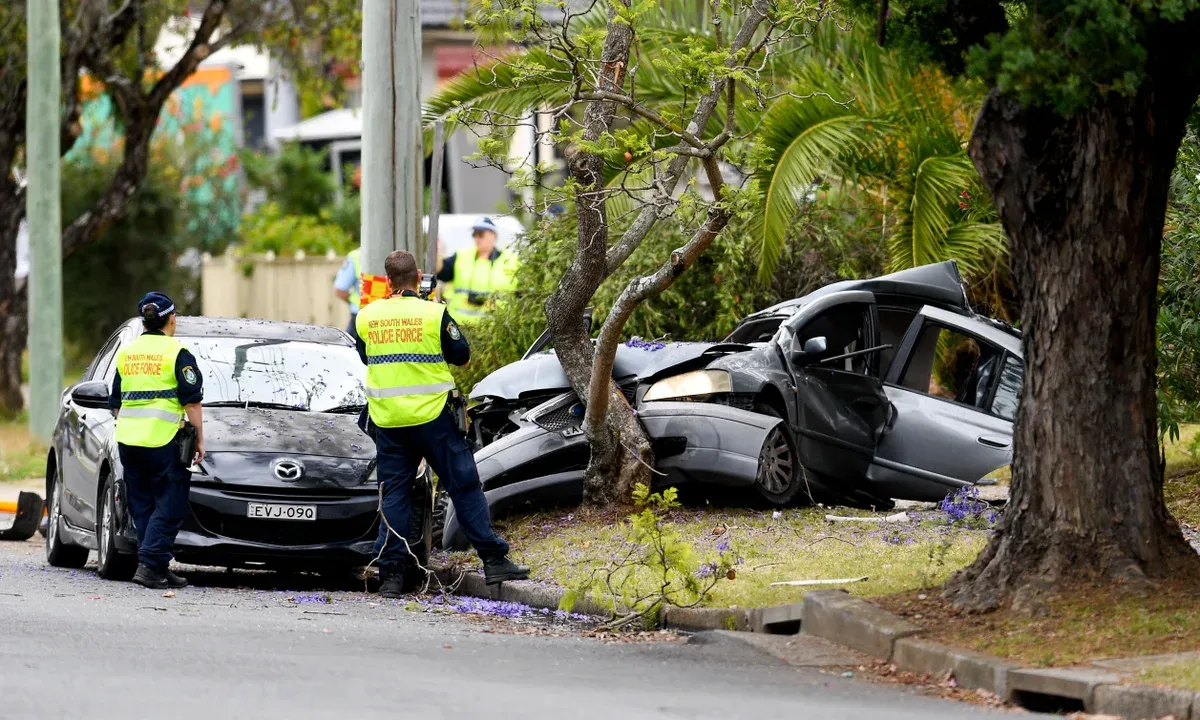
137,254
860,117
295,178
270,229
659,569
1179,298
703,304
1064,54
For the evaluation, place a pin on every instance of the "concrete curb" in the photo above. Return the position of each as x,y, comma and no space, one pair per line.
841,618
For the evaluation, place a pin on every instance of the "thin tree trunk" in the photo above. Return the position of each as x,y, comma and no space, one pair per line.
1083,200
564,308
12,301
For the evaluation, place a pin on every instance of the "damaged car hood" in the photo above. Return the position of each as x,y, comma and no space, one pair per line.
644,361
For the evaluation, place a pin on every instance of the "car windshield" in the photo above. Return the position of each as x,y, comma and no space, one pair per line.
279,373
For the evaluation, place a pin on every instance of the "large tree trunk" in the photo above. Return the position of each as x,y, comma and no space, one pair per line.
1083,200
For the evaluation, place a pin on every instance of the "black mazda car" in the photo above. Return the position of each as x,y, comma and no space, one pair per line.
288,479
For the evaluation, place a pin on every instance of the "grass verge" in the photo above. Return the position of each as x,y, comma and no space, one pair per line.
20,457
563,548
1184,675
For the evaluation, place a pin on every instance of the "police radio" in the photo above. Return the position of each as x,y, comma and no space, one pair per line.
428,283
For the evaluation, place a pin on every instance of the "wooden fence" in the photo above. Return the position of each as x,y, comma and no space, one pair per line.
273,288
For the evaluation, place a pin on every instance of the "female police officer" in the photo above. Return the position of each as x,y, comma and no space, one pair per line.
157,383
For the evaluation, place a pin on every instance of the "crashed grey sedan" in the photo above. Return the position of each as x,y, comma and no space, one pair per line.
862,392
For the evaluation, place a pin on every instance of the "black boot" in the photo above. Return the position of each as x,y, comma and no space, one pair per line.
175,581
391,584
147,576
499,569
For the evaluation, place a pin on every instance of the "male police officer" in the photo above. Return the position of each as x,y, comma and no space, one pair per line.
156,384
476,276
346,286
406,342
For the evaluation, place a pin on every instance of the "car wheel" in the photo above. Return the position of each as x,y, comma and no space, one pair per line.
779,471
111,564
441,504
58,552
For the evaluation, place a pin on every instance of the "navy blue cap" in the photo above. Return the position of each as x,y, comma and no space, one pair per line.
163,304
484,224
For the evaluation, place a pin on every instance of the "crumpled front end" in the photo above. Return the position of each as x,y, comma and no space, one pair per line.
541,464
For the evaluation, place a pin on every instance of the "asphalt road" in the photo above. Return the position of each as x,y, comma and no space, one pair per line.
75,646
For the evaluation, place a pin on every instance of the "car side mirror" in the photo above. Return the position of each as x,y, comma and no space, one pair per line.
813,347
91,394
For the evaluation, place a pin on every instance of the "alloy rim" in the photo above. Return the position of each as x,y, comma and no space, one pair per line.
106,526
775,464
55,513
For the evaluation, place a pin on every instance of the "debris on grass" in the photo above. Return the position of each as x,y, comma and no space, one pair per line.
896,518
806,583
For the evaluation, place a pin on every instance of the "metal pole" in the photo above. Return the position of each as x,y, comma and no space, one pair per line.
43,213
435,196
393,157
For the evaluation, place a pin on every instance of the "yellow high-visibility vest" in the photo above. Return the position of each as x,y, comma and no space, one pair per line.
150,413
472,274
407,376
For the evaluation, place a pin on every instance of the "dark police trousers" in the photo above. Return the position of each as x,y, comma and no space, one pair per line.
157,485
399,452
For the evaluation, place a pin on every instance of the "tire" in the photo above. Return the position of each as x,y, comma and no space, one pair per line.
58,552
441,505
780,476
111,563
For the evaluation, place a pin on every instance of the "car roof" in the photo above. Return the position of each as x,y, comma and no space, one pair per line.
938,283
255,329
985,328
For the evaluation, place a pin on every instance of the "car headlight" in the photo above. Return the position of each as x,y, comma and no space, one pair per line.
698,382
374,476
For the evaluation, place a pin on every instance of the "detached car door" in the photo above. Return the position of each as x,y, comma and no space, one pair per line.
954,384
841,405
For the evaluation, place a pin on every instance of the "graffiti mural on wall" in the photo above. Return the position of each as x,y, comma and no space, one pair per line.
198,130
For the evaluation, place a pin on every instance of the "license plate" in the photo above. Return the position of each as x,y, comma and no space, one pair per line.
281,512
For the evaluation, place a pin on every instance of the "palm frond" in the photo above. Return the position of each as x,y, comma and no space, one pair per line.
805,140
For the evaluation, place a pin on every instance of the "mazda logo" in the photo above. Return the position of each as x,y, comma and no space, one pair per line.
289,470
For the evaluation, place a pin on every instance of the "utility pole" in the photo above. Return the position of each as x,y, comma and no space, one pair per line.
393,157
43,213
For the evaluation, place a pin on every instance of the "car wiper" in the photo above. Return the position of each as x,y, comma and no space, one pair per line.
253,404
345,409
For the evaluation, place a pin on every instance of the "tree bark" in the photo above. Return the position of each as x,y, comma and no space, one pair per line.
564,308
13,318
1083,199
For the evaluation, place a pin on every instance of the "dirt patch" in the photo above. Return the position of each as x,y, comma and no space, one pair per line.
1080,624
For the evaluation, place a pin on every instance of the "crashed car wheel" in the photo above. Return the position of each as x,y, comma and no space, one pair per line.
778,464
111,564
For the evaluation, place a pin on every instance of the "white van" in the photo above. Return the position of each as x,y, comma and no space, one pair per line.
455,231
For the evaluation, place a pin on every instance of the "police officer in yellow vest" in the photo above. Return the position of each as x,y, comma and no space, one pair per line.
476,278
406,343
157,384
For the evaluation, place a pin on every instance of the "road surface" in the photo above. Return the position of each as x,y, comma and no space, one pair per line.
75,646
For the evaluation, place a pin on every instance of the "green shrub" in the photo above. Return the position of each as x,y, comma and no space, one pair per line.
1179,298
270,229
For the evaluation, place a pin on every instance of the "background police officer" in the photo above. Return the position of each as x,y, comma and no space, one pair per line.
406,343
476,277
157,383
347,286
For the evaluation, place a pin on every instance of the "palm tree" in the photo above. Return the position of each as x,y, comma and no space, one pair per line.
855,115
844,112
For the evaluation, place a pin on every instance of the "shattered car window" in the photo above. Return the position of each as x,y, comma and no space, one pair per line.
1008,390
303,375
950,365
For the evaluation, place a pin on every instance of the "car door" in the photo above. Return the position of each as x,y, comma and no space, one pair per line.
954,385
86,430
841,405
